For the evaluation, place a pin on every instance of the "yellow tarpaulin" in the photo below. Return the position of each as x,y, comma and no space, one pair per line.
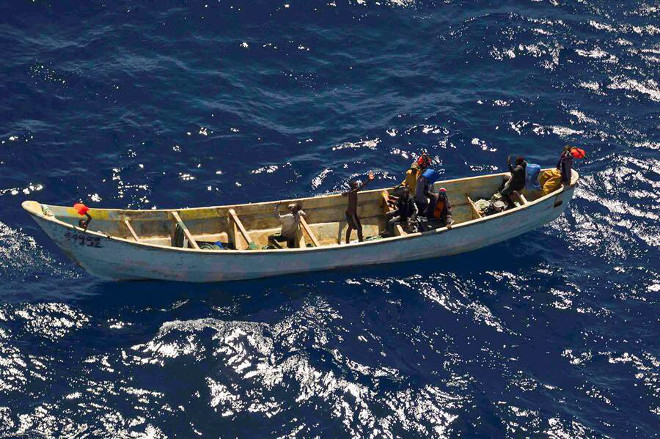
550,181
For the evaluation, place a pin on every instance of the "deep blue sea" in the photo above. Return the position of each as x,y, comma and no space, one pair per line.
147,104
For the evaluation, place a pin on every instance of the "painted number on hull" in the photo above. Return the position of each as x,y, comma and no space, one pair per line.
89,241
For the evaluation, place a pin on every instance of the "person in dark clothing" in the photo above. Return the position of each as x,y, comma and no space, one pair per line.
516,182
565,165
439,208
352,218
83,210
424,188
405,209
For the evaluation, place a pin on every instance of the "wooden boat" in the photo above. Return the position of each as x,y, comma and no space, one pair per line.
137,244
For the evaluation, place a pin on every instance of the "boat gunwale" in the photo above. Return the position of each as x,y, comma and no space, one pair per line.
574,181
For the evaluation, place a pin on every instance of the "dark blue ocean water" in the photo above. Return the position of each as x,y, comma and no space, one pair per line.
188,103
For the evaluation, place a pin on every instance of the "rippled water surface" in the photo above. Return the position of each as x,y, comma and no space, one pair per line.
187,103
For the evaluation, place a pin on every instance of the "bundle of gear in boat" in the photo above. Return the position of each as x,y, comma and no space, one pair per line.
410,207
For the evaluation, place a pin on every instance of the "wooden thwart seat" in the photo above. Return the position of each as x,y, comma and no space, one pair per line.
311,235
128,225
181,224
237,226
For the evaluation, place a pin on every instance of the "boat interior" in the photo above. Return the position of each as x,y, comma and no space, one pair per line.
247,226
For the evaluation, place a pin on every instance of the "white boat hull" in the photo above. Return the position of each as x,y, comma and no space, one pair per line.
119,259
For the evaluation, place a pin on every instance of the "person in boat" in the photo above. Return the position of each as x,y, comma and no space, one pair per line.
352,218
405,210
290,225
439,208
515,182
552,179
413,174
83,210
565,164
424,188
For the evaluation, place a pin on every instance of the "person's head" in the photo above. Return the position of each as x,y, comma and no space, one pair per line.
354,184
295,207
520,160
442,192
424,161
406,192
567,148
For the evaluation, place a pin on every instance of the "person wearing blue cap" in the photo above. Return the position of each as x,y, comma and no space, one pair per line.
424,187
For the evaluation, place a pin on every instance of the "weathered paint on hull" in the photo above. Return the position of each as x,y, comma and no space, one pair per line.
118,259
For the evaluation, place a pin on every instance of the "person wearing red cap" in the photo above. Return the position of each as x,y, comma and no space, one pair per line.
413,174
83,210
439,208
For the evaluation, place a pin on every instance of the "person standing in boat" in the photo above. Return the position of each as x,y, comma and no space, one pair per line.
424,188
551,179
515,182
565,164
413,174
352,218
290,225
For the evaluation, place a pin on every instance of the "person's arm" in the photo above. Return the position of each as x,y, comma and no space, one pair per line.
415,210
277,212
399,204
85,223
427,189
405,180
370,177
508,164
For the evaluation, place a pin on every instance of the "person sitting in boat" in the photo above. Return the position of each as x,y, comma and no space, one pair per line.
515,182
439,208
405,210
290,225
352,218
417,168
